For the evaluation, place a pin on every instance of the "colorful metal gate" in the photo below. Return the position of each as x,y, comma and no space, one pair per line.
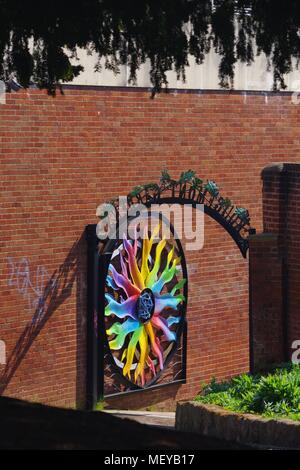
138,290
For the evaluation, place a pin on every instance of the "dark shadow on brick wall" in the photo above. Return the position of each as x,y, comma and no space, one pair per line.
59,288
81,319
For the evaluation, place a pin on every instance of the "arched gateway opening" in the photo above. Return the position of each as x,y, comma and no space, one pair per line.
138,289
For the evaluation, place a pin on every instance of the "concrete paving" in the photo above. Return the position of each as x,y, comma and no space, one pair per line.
161,419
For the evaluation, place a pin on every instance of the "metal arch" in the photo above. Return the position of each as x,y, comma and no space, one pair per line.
242,243
191,190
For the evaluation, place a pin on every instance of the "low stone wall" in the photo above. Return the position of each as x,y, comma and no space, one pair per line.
214,421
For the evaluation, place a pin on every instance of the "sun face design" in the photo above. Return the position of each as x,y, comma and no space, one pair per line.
144,293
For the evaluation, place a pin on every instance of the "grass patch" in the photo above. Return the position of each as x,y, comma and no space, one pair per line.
273,395
100,405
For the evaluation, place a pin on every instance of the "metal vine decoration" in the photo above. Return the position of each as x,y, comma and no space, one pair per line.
193,190
145,306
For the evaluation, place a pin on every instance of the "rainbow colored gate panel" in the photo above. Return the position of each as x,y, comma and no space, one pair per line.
145,301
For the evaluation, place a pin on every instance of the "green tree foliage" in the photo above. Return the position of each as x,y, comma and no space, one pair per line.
38,39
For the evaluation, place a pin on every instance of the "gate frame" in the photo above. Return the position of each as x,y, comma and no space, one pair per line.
182,193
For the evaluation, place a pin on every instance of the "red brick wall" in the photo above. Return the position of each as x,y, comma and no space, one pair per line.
60,157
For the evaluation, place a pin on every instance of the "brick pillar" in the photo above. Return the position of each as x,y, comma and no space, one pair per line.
275,200
266,306
275,268
292,254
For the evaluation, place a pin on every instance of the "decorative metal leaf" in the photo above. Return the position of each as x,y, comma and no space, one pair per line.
136,191
151,186
165,176
212,188
243,214
225,203
197,183
187,176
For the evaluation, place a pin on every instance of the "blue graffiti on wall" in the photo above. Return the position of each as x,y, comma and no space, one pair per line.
30,287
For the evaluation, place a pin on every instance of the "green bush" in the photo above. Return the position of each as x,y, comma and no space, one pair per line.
275,395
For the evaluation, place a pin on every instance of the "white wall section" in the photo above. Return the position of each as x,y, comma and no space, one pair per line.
205,77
